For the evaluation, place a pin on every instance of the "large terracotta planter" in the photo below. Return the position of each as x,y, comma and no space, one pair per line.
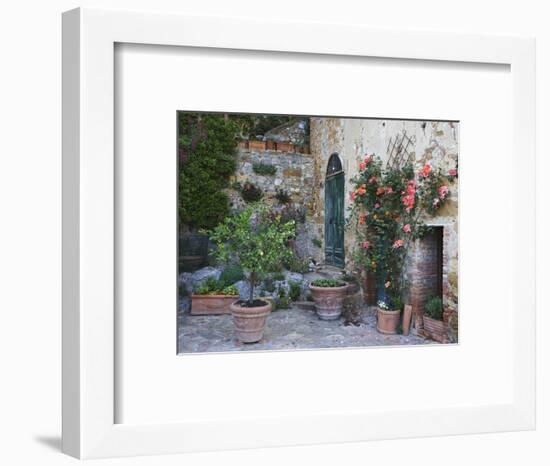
250,321
329,301
388,321
435,329
206,304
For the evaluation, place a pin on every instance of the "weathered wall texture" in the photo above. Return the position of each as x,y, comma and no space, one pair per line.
351,139
295,175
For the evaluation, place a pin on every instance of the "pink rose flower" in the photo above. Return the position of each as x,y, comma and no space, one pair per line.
352,196
443,191
365,244
387,284
362,165
425,171
407,228
389,190
453,172
376,206
398,243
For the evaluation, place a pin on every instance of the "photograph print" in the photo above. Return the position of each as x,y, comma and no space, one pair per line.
315,232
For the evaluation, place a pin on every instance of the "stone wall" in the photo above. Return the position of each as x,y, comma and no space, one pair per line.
295,175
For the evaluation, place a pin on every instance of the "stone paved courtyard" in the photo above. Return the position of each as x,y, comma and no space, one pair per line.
287,329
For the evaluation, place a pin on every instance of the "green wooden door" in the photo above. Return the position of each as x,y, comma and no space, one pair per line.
334,219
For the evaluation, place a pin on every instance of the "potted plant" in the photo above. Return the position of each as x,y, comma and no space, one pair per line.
259,243
328,295
434,325
387,319
213,297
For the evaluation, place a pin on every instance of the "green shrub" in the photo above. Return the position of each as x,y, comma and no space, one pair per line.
237,186
327,283
208,286
283,301
207,149
213,286
251,193
296,264
434,308
317,242
279,276
231,274
264,169
282,196
295,290
230,290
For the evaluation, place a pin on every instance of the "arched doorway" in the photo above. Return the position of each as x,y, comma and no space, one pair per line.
334,212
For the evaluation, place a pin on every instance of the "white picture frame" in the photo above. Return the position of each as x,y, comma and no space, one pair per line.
89,38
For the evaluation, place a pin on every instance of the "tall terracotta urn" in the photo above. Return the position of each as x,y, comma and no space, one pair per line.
250,321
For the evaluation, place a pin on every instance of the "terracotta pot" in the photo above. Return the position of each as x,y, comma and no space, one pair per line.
388,321
206,304
329,301
250,321
435,329
256,145
270,145
285,147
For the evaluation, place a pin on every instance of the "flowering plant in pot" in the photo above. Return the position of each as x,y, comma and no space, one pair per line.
258,243
389,208
434,324
388,318
328,295
213,297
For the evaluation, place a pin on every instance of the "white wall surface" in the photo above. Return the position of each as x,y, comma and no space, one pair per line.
30,233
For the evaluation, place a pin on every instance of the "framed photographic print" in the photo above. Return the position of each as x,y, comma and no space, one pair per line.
262,227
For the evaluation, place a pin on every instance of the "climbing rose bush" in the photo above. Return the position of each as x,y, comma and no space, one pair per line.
389,207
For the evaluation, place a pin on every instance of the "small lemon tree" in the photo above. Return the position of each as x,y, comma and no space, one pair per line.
257,240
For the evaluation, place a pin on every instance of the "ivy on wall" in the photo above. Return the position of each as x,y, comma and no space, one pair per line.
207,151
